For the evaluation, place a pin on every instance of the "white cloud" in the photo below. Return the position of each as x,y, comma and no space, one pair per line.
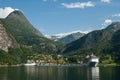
80,5
106,1
116,15
106,22
4,12
47,36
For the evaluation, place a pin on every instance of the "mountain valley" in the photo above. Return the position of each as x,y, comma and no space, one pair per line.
19,39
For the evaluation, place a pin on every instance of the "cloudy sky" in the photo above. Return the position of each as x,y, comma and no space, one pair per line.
59,16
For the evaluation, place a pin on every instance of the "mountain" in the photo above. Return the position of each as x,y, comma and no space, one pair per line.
6,39
98,41
26,35
67,37
19,38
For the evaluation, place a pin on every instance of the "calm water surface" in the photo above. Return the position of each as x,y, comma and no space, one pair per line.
59,73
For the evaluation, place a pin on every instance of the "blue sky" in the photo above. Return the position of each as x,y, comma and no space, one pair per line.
59,16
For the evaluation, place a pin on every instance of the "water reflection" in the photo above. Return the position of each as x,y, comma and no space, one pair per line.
45,73
3,73
93,73
49,73
59,73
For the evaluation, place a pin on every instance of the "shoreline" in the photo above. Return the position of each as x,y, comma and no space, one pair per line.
10,65
80,65
108,65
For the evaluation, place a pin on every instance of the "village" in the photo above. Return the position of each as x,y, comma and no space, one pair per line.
58,60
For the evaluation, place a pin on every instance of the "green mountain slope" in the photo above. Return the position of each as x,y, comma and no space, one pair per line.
27,36
19,27
98,41
115,42
30,40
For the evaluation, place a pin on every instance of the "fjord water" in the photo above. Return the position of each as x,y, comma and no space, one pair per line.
59,73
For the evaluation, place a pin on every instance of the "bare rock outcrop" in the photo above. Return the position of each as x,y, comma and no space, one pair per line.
6,40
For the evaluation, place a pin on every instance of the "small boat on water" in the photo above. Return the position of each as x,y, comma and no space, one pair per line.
93,61
30,64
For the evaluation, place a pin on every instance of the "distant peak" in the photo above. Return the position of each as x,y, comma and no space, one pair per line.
72,32
61,35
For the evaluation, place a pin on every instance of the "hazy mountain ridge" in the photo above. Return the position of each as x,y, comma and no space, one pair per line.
67,37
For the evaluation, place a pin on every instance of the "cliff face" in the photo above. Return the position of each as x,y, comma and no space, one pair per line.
6,39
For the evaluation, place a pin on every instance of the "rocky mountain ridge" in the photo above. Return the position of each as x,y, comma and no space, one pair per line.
6,40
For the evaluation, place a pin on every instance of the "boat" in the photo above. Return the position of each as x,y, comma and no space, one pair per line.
93,61
30,64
